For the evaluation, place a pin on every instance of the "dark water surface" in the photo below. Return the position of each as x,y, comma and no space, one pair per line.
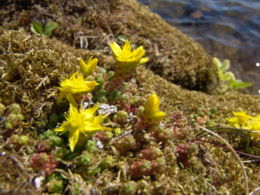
227,29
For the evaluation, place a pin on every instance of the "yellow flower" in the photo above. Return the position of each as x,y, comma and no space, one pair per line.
81,121
240,120
244,121
126,58
256,128
152,108
89,67
256,123
73,86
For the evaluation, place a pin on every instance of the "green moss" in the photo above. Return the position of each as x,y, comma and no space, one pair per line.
32,66
175,57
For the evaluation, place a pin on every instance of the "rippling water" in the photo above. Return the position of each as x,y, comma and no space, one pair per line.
228,29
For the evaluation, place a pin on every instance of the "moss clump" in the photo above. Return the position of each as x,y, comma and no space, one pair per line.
175,57
156,158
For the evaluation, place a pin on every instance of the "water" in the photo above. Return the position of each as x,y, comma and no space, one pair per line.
227,29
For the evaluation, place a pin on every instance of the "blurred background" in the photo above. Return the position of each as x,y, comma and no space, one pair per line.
227,29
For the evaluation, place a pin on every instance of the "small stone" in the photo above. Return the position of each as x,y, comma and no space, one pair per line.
107,109
99,144
38,181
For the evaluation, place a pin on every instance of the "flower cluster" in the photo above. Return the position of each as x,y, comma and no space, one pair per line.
83,121
125,144
184,154
10,119
44,162
145,167
80,122
244,121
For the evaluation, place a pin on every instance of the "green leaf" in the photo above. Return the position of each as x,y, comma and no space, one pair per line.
237,84
50,26
221,75
225,65
122,38
36,27
229,76
217,63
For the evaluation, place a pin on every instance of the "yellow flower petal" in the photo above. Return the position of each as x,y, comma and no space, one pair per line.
81,122
59,129
144,60
89,113
152,104
152,108
159,115
127,48
127,59
75,85
89,67
244,121
60,97
256,123
73,139
139,52
71,99
73,110
116,50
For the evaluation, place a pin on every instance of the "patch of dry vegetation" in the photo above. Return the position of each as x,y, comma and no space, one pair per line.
32,66
173,55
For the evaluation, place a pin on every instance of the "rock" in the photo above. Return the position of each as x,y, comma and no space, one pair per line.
182,61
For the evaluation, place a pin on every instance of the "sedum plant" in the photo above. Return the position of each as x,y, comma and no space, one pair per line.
81,121
75,85
89,67
152,109
227,77
242,120
127,59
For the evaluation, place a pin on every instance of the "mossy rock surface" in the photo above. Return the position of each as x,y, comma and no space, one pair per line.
173,55
32,66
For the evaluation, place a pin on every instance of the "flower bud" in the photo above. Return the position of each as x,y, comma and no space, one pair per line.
129,188
15,108
55,186
108,162
91,146
117,131
126,144
2,109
